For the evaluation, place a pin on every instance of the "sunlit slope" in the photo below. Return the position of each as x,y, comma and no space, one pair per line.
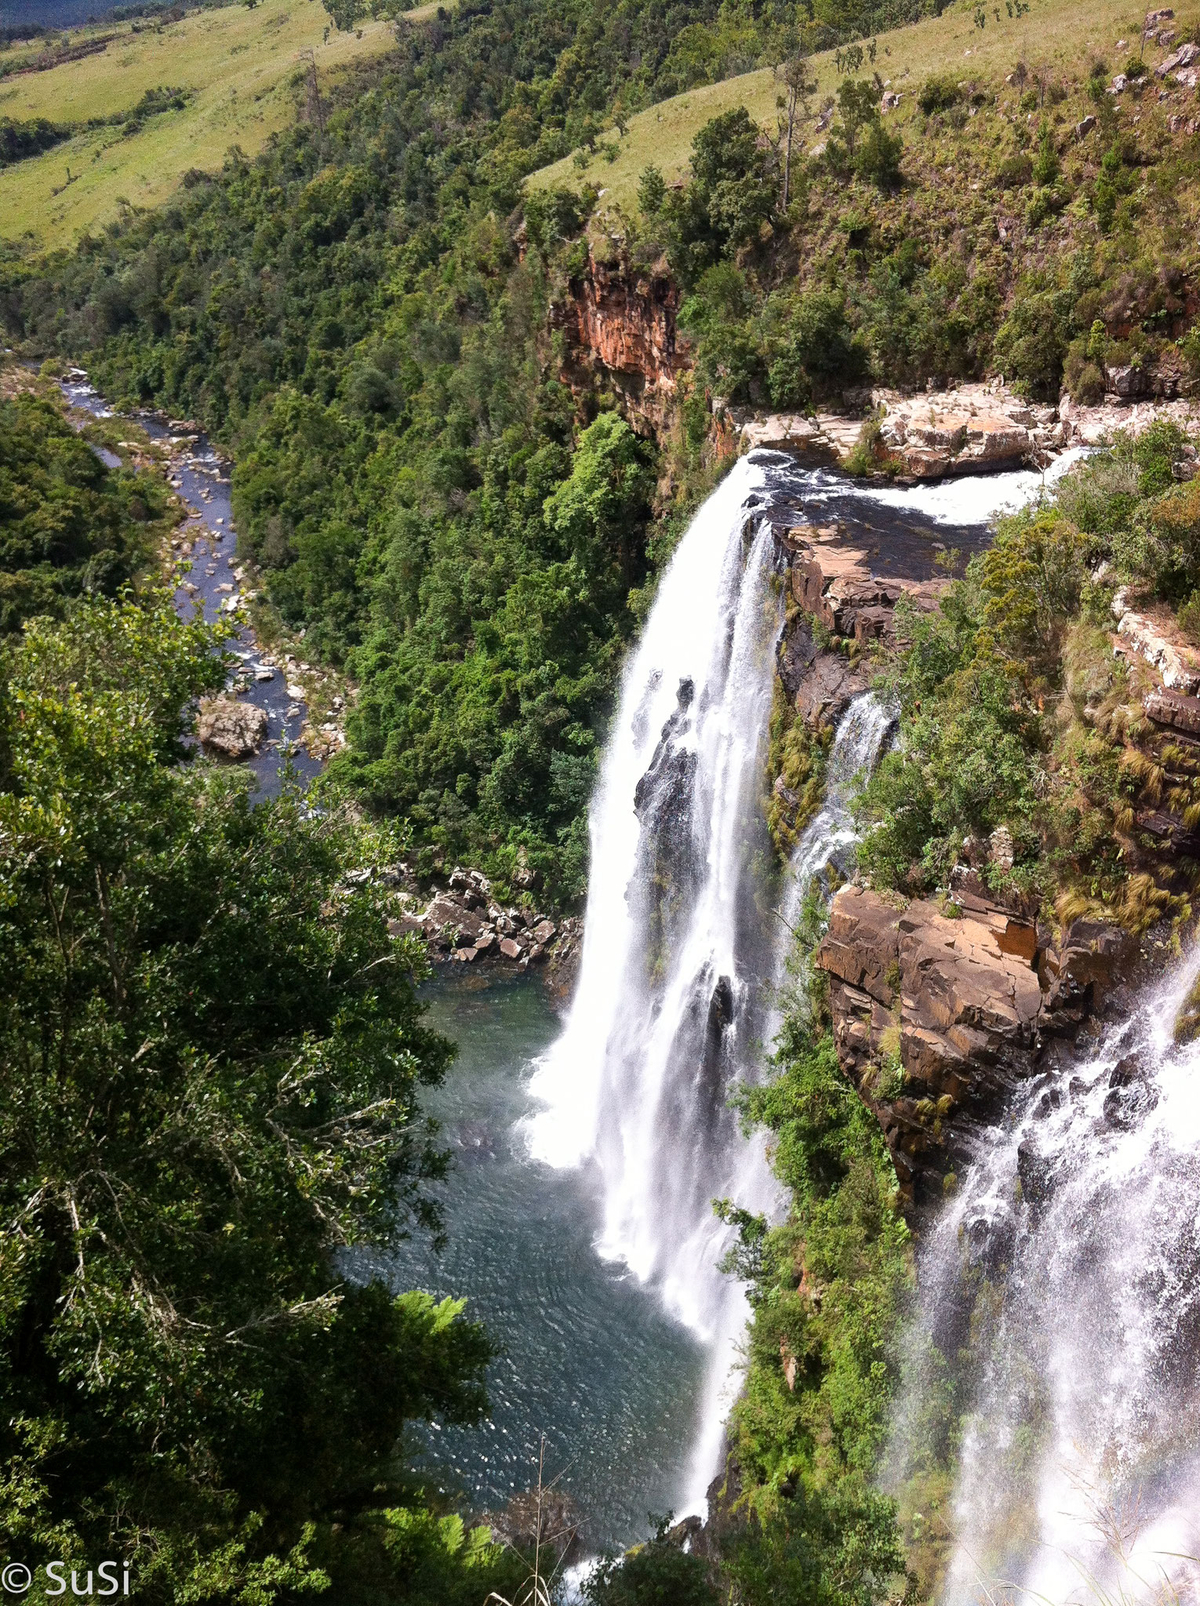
240,65
1063,35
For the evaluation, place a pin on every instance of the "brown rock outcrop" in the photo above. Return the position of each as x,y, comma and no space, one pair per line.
967,1004
1180,712
619,325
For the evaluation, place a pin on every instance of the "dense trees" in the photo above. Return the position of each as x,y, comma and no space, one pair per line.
68,524
212,1055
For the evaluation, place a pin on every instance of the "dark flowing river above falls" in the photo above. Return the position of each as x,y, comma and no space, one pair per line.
588,1357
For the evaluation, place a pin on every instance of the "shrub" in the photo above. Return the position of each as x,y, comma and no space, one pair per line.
1031,343
1088,386
818,348
879,156
656,1574
1189,618
938,94
1014,171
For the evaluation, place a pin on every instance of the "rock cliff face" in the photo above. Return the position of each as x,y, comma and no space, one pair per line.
618,322
940,1010
936,1016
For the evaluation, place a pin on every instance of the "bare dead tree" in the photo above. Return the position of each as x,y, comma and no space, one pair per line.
794,103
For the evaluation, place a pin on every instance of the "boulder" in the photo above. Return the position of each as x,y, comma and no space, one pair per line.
231,729
446,917
1181,58
1130,382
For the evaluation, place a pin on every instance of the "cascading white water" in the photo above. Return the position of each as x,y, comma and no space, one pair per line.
676,938
1061,1287
831,832
681,946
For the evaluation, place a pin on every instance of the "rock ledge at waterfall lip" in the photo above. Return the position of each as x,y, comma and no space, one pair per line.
972,994
977,428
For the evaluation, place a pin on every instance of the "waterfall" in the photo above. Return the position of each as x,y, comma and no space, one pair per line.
830,833
1061,1292
681,944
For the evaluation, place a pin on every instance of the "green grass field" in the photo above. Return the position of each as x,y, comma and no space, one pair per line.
239,65
1061,35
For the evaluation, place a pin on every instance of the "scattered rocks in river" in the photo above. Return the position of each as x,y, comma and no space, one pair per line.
463,924
230,729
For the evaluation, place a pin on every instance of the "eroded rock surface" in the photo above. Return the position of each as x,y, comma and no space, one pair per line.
936,1017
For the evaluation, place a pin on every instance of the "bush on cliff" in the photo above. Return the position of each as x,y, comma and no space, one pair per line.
1015,713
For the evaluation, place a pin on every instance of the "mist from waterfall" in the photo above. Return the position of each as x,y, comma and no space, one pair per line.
1060,1295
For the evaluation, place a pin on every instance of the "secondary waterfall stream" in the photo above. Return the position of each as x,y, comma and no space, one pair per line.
1061,1295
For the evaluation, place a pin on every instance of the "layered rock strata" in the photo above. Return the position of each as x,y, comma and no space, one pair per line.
939,1011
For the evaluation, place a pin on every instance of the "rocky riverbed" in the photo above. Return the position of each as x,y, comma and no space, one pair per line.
462,923
276,710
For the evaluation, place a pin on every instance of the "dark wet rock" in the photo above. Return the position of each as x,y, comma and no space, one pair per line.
1036,1174
1131,1095
988,1242
720,1008
1051,1100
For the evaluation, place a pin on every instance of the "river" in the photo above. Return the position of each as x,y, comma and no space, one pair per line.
200,477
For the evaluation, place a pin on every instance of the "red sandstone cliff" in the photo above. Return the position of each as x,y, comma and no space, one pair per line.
618,321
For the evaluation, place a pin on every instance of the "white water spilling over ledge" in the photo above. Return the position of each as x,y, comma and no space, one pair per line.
675,941
684,944
1071,1257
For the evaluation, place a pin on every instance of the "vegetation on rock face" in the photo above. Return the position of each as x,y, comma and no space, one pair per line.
828,1287
212,1056
1016,714
68,524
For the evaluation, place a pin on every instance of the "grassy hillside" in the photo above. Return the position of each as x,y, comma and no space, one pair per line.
238,67
1061,35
